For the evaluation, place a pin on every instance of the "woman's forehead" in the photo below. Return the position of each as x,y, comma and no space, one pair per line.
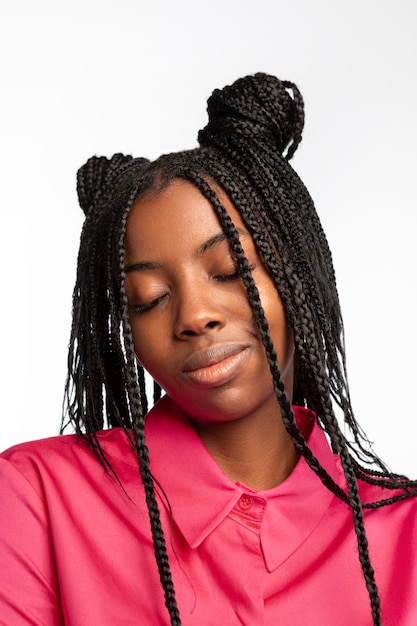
177,209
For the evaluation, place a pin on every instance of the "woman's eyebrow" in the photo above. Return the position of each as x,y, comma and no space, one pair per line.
142,266
215,240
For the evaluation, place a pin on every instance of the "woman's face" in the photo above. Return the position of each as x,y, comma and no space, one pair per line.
192,325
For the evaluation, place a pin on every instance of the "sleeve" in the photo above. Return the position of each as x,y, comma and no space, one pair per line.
28,588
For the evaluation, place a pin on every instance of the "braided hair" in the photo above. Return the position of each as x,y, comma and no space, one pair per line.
254,128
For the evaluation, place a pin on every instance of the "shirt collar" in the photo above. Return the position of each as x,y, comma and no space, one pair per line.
200,495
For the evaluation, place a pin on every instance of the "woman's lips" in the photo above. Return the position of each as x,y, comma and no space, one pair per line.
216,365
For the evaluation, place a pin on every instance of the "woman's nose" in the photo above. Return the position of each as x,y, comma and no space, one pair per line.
197,312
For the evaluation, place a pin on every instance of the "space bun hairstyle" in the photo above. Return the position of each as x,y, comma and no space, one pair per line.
254,128
95,177
260,108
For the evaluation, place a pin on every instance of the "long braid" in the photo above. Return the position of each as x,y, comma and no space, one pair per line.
362,542
141,449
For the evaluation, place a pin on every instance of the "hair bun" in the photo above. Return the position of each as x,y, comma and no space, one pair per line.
96,174
260,106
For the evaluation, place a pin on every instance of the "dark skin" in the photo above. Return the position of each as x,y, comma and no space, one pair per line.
194,332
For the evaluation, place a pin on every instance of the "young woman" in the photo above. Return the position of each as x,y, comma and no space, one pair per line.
209,269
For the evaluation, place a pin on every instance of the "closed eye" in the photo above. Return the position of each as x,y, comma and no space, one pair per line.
223,278
142,308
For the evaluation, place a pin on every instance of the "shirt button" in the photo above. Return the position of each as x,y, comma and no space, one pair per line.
245,502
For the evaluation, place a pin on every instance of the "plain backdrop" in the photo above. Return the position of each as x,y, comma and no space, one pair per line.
83,77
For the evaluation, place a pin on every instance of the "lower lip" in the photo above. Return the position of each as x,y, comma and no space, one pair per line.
219,373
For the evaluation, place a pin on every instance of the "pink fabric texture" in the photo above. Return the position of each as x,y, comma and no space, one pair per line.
76,548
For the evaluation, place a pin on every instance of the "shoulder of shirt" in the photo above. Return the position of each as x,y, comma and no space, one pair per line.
32,456
375,493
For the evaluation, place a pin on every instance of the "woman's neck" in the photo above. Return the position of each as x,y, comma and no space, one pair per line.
257,453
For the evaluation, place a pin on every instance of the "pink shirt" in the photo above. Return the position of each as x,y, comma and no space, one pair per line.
76,550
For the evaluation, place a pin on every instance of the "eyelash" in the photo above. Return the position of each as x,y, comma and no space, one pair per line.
223,278
142,308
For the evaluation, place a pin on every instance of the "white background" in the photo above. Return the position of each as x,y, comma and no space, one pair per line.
83,77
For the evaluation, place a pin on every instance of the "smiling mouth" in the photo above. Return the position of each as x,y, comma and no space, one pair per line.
217,365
